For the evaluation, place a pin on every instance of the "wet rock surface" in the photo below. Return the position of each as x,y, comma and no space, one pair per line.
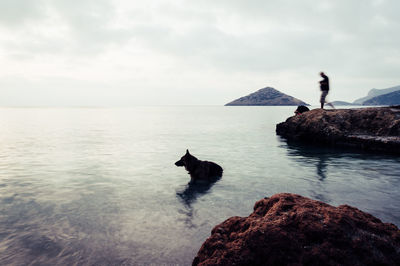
375,129
288,229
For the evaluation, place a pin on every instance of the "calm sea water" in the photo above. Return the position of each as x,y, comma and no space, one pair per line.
99,186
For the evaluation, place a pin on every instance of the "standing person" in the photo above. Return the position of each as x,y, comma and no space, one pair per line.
324,85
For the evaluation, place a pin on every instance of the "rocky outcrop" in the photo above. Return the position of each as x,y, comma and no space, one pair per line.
374,93
389,96
289,229
267,96
392,98
375,129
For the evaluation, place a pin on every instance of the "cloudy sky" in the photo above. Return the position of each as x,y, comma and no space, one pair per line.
184,52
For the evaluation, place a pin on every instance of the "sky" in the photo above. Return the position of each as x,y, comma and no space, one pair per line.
193,52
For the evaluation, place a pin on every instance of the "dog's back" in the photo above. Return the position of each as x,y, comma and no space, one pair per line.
214,169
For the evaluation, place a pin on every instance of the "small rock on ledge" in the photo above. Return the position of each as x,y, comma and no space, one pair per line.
288,229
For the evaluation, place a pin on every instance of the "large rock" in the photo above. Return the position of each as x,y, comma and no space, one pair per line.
267,96
376,129
289,229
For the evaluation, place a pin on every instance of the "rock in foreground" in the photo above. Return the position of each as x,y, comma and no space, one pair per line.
289,229
376,129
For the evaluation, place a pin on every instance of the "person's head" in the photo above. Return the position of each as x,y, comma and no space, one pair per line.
322,74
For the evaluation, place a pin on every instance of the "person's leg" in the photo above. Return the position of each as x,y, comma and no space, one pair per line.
322,100
328,103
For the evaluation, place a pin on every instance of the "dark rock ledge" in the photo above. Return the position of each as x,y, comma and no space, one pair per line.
374,129
288,229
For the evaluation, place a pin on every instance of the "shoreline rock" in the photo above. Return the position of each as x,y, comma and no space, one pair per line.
373,129
288,229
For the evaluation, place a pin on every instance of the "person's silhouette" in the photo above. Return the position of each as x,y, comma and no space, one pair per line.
324,85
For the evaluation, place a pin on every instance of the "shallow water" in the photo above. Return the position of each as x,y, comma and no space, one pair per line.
98,186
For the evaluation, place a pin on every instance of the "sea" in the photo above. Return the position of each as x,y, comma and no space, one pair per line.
98,186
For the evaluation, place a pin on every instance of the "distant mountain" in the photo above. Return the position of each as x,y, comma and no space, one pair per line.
375,92
392,98
342,103
267,96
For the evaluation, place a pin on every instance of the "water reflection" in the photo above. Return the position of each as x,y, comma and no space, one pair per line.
296,148
318,157
333,165
188,197
321,168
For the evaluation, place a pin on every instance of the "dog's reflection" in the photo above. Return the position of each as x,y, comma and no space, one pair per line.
190,194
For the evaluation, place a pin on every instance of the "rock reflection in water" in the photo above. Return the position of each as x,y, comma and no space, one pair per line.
318,157
348,176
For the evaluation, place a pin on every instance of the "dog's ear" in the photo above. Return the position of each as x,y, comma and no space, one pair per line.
187,151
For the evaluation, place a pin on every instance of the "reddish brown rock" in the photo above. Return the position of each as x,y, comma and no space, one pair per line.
376,129
289,229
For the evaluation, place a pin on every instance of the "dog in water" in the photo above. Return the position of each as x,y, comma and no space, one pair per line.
200,170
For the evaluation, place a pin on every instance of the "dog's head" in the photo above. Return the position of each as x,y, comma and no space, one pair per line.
185,159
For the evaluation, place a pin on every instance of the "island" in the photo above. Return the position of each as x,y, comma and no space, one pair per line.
376,92
388,96
266,97
288,229
374,129
385,99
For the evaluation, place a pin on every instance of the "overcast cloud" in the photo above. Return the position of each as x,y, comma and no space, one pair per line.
167,52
